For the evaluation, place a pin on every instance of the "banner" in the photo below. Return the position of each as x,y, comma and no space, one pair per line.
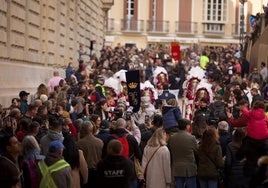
133,86
175,51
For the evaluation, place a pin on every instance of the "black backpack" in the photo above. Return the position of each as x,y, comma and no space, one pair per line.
217,112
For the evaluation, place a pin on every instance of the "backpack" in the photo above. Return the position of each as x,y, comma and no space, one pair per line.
124,142
217,113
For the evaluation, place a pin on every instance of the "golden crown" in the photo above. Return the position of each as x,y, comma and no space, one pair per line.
132,85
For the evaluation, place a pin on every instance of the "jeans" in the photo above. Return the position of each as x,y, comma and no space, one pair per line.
190,182
208,183
134,183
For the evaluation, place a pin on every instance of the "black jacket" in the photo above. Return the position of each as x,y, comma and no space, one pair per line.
115,172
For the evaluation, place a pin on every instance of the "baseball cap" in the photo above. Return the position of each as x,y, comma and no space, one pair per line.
23,93
55,146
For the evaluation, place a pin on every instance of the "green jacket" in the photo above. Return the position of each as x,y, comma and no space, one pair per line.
210,163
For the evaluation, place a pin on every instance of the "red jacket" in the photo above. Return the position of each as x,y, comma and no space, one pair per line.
257,126
239,122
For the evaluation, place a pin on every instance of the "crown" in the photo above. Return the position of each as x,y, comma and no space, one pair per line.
132,85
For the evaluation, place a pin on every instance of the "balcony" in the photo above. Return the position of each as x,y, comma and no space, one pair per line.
214,29
132,25
235,30
157,26
186,28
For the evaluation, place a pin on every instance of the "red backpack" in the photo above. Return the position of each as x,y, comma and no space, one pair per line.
124,142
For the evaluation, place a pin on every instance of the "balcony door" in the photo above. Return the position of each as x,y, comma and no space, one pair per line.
156,22
130,14
185,16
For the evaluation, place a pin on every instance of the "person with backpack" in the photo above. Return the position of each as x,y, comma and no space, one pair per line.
217,111
130,145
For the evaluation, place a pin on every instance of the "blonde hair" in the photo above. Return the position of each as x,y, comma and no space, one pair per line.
172,102
157,138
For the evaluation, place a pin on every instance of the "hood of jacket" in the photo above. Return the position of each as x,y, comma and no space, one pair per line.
258,114
53,135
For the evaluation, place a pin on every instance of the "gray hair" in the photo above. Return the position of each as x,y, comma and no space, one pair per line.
29,145
121,123
86,128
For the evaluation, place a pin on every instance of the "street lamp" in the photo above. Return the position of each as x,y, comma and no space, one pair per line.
242,23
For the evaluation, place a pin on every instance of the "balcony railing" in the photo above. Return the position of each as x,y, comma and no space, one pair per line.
186,27
132,25
214,28
157,26
236,30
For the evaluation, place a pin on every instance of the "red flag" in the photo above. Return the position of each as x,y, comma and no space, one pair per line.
175,51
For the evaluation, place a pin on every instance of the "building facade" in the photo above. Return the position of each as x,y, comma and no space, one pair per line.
207,22
38,36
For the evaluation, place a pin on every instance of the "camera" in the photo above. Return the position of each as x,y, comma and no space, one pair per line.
147,118
129,113
118,113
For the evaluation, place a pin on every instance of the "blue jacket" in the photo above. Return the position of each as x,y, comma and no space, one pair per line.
171,115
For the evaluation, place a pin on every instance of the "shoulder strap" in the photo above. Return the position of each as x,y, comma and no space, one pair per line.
47,180
144,173
61,164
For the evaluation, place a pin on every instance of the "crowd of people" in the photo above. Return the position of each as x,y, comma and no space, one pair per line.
202,122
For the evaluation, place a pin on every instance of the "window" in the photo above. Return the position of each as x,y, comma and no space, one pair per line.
214,10
154,10
214,15
130,8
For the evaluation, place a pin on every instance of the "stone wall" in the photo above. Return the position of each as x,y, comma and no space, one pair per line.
37,36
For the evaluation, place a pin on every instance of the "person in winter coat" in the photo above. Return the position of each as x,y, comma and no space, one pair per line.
225,136
257,126
233,166
31,156
254,145
54,133
115,170
183,147
54,171
156,161
171,114
210,159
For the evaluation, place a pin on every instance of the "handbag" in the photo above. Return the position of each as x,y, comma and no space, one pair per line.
138,168
145,170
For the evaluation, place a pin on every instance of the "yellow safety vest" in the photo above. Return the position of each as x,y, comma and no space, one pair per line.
47,180
102,88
